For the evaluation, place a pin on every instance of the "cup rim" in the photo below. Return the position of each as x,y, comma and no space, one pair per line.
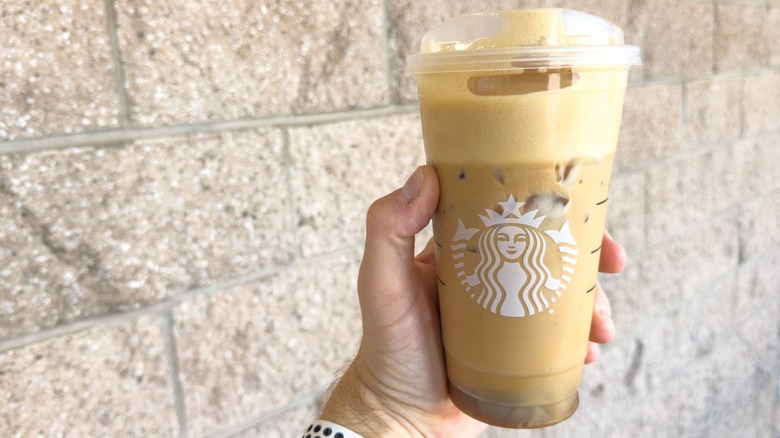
524,58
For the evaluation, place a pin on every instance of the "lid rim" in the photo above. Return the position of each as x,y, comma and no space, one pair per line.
520,58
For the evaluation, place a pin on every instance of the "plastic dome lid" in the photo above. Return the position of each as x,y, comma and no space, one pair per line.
520,40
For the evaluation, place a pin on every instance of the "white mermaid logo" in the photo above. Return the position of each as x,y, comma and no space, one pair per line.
511,277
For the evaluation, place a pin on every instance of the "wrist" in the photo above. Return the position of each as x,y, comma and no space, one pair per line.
354,405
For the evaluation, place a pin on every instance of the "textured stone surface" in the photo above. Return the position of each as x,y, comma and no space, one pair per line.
686,265
720,350
339,169
678,194
713,111
221,60
675,36
112,380
761,102
249,349
48,49
94,230
629,296
747,407
753,323
687,336
772,33
744,170
651,128
626,212
745,36
289,424
760,225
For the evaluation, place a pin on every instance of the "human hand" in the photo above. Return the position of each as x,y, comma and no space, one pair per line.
397,383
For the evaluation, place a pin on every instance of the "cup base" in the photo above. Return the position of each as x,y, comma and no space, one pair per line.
515,417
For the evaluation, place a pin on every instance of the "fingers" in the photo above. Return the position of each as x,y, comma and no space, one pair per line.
612,260
613,257
602,328
387,273
593,352
406,211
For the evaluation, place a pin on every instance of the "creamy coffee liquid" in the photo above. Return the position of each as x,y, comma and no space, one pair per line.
534,170
524,158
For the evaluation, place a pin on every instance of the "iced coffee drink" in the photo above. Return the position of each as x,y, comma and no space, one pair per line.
520,113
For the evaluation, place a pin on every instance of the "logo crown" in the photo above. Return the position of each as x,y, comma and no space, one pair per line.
512,215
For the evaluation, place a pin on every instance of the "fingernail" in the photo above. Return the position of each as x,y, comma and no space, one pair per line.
413,185
605,312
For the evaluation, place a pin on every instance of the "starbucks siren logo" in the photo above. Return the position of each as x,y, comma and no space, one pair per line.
510,277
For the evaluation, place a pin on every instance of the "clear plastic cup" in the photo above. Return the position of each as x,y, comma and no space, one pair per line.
520,113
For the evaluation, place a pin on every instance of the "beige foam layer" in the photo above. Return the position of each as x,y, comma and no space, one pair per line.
544,126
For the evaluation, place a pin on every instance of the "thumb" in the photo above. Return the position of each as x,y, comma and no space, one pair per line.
387,273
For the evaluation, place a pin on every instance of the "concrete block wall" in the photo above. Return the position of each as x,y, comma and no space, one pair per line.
183,187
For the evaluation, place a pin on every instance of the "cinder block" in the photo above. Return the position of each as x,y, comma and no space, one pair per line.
675,36
111,380
694,334
249,349
742,404
744,2
626,213
684,265
759,225
712,111
631,298
221,61
759,283
56,72
614,12
755,309
605,389
97,230
690,335
768,151
678,194
772,33
650,128
339,169
761,103
714,397
292,423
39,288
679,408
739,38
735,367
744,171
